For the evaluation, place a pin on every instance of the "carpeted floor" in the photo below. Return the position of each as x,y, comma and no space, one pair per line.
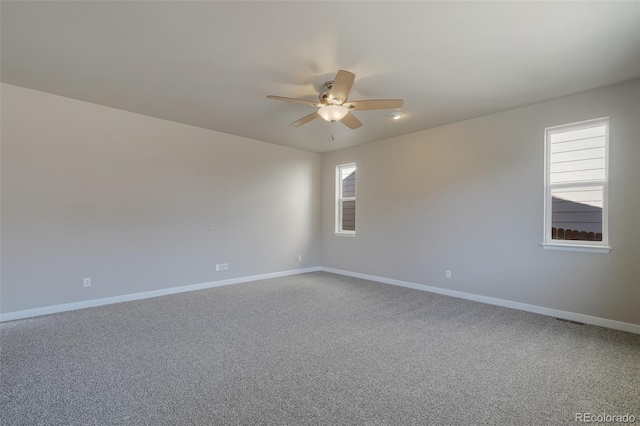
312,349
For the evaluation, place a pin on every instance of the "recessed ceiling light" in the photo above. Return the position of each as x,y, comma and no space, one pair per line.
396,115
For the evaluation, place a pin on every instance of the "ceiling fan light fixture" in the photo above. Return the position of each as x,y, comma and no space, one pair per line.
333,112
333,104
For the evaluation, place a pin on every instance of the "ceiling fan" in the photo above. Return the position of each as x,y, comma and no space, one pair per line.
334,106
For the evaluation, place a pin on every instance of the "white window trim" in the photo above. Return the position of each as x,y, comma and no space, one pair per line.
574,245
339,200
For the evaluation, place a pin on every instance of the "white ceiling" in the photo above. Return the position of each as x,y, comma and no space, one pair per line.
212,64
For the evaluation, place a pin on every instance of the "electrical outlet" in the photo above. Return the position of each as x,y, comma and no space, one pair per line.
299,258
87,282
447,273
222,267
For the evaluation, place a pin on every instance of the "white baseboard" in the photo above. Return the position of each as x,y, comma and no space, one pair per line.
572,316
28,313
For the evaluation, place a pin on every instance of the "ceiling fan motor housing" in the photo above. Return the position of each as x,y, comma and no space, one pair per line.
325,97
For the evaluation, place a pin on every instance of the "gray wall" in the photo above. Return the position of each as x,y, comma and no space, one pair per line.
469,197
142,204
129,200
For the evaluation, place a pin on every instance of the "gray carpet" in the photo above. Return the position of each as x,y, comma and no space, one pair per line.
312,349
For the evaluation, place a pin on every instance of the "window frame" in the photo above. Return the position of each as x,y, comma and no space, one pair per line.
576,245
340,200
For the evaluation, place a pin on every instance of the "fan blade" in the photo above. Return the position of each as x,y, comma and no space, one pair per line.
305,120
298,101
342,85
376,104
351,121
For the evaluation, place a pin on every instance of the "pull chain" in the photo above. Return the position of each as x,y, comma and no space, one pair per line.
332,138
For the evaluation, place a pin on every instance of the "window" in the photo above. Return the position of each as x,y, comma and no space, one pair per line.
346,199
576,186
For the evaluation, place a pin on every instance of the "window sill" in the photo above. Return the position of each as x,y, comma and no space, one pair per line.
576,247
345,234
